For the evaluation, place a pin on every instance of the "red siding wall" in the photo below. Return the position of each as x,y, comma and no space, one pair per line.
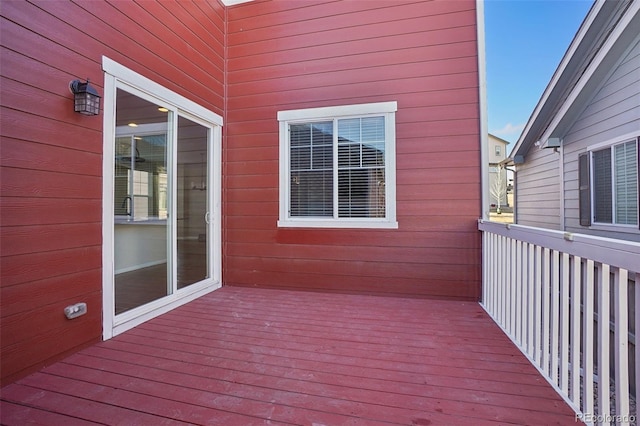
279,55
51,158
300,54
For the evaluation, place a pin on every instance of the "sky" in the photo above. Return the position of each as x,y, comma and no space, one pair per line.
525,42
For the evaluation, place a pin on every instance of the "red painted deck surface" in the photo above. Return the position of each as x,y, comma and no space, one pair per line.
242,356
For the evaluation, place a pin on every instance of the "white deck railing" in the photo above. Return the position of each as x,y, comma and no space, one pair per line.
548,291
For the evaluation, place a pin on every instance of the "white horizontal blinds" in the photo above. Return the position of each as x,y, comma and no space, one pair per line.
361,167
311,168
626,183
602,186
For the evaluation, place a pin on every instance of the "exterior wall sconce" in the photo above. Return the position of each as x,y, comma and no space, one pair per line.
86,98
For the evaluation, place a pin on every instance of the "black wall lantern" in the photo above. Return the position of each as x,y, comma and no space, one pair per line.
86,98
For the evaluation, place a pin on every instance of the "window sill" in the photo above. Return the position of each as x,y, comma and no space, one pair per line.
632,229
332,223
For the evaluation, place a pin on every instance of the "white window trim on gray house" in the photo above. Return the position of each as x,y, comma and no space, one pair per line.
606,189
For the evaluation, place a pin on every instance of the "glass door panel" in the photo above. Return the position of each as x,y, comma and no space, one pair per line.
192,231
140,204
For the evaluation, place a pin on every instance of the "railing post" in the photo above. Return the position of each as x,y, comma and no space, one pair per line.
513,285
621,349
603,342
554,300
517,279
564,324
531,299
636,291
537,344
576,297
587,351
545,310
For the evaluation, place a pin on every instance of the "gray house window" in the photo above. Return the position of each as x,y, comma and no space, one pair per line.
609,185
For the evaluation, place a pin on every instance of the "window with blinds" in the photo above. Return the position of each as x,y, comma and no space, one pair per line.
625,183
614,185
602,186
335,170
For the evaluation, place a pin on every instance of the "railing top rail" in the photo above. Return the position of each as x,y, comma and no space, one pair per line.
619,253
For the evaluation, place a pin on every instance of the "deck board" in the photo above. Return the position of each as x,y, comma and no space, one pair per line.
242,356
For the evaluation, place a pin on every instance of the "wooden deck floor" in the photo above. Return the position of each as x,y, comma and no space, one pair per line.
241,356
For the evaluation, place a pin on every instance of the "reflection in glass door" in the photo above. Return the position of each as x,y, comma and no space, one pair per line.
192,203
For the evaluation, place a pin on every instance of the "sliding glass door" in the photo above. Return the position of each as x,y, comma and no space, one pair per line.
161,204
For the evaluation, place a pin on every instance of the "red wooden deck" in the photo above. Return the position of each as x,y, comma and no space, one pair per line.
242,356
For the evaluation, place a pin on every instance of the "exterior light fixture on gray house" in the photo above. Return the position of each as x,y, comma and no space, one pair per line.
86,98
553,143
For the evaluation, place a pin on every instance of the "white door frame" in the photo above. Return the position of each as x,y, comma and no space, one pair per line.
117,76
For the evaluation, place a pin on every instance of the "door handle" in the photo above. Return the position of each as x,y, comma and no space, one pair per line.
206,217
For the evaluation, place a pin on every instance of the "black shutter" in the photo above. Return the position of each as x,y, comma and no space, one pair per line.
584,189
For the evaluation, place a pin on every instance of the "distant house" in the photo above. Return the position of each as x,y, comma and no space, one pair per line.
325,146
498,180
577,159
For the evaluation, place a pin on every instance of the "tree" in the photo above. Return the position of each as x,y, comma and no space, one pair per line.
498,188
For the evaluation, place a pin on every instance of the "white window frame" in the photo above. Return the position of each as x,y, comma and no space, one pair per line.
286,118
598,147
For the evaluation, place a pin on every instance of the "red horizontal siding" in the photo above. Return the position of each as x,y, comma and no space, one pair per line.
43,238
410,239
281,14
428,53
48,291
441,289
36,156
342,93
51,204
387,70
439,254
434,97
19,211
344,26
438,174
320,52
44,130
36,183
25,268
338,269
54,344
289,55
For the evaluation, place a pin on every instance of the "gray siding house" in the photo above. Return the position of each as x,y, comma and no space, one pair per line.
577,160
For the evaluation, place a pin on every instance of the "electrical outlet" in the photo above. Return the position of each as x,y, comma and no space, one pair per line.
74,311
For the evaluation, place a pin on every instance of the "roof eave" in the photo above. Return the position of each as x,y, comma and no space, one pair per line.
569,70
